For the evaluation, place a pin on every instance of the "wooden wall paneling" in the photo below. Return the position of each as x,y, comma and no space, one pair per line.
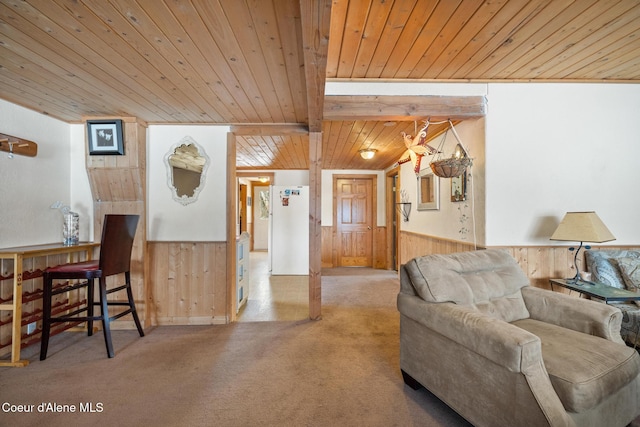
173,281
563,263
182,297
327,247
414,245
221,278
204,303
539,263
158,273
188,282
118,187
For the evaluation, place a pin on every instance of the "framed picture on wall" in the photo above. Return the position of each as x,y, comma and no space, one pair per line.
105,137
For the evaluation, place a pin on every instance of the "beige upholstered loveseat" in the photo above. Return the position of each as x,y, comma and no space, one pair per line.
503,353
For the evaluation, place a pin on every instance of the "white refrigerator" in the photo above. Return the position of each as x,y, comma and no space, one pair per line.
289,230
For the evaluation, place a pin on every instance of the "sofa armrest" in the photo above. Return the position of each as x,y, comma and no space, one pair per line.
582,315
503,343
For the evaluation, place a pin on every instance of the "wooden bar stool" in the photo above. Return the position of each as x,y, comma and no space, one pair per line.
115,258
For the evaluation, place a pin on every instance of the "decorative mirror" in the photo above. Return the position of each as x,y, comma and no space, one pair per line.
186,170
459,188
428,191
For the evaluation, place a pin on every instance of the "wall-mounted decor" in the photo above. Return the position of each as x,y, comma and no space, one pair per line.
105,137
416,147
404,205
456,164
14,145
186,170
459,188
428,191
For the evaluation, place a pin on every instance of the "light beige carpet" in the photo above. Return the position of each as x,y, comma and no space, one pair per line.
340,371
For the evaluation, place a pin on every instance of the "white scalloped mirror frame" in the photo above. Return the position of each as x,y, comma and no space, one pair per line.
185,159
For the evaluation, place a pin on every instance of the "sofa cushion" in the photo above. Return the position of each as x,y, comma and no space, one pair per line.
604,268
605,367
488,280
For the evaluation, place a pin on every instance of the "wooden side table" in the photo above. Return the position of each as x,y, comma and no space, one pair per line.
18,254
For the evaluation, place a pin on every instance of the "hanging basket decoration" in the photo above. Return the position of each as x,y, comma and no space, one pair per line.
456,164
416,148
451,167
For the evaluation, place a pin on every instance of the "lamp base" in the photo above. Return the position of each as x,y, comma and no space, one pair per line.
576,280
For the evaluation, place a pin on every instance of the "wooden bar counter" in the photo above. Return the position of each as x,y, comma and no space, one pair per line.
80,252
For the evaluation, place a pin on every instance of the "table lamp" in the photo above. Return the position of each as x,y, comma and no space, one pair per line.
581,227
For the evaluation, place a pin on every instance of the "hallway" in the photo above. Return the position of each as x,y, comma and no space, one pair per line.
273,298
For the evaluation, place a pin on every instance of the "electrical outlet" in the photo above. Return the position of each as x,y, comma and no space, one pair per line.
31,328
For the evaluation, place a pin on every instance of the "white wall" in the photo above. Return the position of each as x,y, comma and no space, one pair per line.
81,198
29,185
203,220
550,148
553,148
454,220
290,177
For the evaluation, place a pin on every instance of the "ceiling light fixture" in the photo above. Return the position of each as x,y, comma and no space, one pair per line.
263,179
368,153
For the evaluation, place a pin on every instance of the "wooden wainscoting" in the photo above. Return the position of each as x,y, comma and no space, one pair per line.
540,263
329,248
188,283
414,245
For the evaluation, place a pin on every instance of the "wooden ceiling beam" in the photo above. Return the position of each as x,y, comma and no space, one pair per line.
269,130
315,16
383,107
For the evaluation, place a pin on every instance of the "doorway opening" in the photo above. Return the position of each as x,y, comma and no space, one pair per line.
393,218
267,297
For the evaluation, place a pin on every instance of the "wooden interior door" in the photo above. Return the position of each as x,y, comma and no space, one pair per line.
354,217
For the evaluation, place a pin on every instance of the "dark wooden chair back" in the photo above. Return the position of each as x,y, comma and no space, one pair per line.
118,233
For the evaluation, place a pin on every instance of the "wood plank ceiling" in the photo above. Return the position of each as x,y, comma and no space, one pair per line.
263,63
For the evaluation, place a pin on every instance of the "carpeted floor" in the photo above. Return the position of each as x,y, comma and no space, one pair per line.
342,370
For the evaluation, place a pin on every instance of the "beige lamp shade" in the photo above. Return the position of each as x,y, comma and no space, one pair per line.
582,227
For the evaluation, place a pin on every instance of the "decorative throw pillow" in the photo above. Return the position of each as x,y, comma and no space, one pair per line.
630,271
602,264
